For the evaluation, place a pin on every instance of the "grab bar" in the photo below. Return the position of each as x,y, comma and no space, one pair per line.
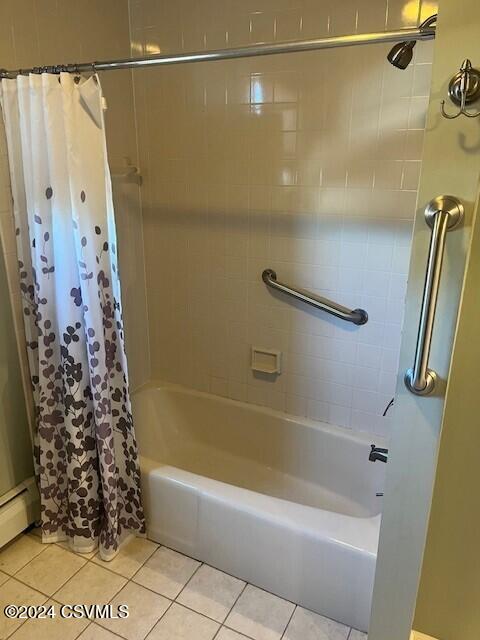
357,316
441,214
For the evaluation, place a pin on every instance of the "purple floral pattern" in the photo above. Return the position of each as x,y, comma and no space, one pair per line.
85,452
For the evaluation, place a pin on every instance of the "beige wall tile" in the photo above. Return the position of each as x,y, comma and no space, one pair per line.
262,163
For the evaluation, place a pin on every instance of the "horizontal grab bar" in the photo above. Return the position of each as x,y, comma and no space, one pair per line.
357,316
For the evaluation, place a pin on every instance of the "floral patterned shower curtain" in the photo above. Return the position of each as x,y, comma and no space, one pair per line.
85,449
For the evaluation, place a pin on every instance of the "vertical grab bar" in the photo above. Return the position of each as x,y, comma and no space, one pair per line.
441,214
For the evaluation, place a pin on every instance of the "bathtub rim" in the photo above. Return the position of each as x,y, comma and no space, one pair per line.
358,437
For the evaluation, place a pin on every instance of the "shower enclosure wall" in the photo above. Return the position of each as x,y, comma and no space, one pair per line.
305,163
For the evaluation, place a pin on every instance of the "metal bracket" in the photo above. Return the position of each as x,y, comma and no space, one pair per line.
463,89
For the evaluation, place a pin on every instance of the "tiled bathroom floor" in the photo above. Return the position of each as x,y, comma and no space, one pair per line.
170,597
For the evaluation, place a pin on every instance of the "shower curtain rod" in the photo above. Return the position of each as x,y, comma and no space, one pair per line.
402,35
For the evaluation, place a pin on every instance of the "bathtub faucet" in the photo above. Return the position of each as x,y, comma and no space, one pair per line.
376,453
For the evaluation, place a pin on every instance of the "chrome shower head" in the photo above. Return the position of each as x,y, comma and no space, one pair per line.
401,54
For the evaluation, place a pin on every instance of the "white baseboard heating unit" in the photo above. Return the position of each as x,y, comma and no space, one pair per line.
19,508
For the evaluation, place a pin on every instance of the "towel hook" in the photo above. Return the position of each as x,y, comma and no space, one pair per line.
463,89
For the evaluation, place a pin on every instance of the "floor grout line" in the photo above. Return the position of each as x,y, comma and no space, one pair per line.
92,622
197,569
71,578
160,618
223,626
230,611
11,575
137,584
236,600
103,564
25,585
289,620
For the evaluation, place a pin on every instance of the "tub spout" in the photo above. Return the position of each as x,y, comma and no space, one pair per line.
376,453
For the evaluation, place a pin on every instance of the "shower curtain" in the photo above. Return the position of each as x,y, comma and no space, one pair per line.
85,450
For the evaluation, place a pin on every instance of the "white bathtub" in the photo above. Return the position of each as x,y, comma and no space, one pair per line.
284,503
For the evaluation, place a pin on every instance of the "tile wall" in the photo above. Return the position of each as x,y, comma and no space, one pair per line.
36,32
305,163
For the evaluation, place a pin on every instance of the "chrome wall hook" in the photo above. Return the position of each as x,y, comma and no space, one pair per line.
463,89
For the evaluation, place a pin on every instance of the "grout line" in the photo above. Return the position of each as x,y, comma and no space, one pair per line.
288,623
236,600
242,635
203,615
104,563
87,627
160,618
37,589
25,584
170,600
80,569
187,583
93,622
16,629
175,600
24,621
246,584
14,541
231,609
130,580
138,584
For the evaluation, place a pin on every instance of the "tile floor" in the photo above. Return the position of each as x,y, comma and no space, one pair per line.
170,597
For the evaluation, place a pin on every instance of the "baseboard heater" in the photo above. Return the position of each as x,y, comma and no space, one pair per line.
19,508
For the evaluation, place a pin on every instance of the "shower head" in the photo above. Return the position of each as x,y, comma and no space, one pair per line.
401,54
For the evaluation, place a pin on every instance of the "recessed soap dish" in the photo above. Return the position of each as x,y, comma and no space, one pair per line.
266,360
